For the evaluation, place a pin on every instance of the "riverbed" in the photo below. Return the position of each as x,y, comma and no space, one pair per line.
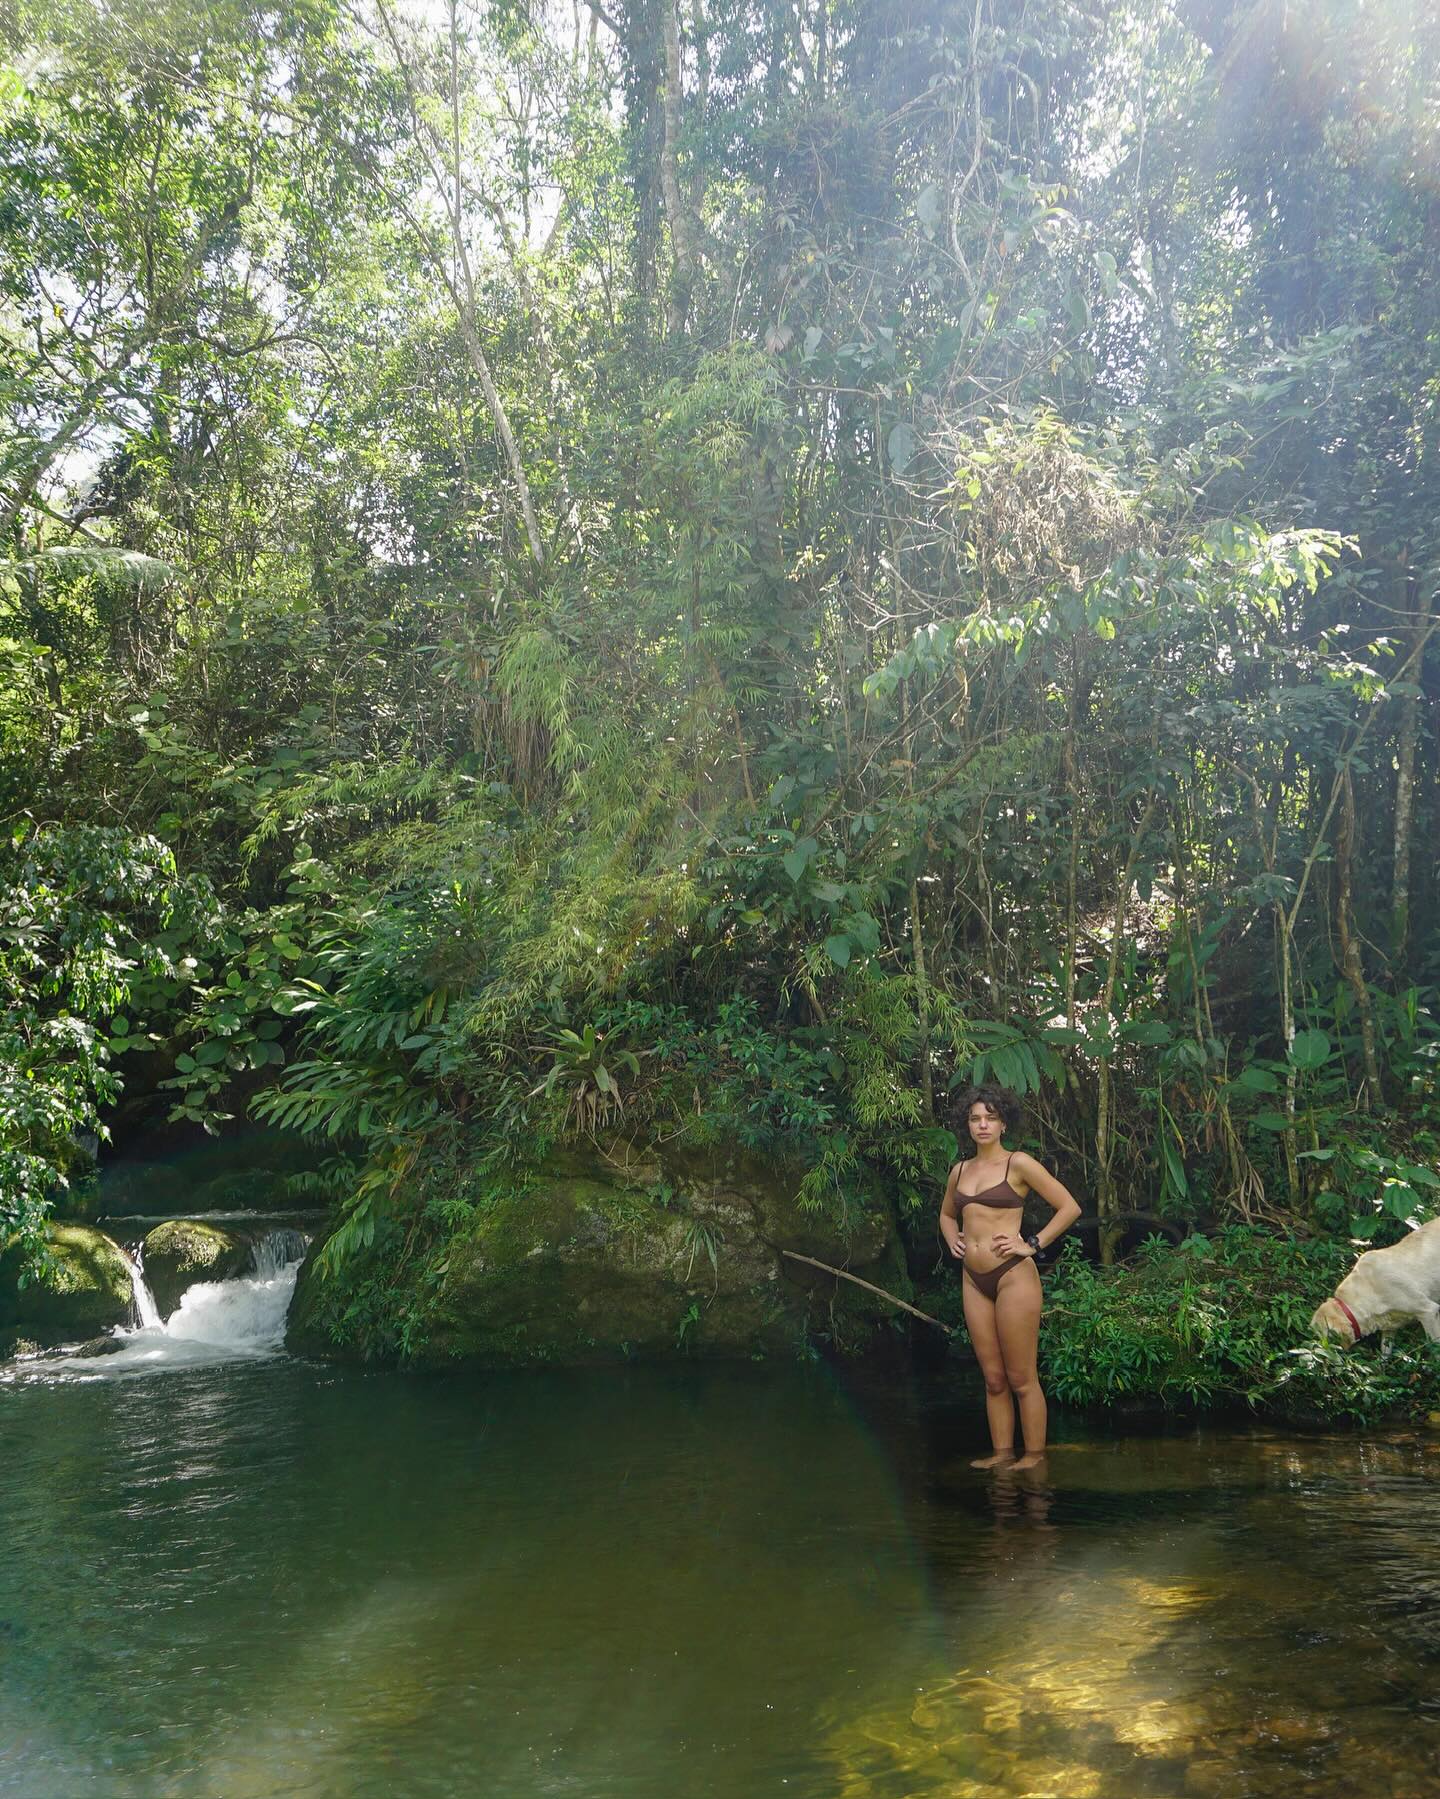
255,1576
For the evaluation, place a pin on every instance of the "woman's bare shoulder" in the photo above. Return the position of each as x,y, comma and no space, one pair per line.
1026,1166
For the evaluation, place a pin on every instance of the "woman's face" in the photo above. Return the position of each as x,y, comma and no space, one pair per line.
986,1124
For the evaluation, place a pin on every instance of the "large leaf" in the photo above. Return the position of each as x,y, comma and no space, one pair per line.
798,858
1310,1049
124,567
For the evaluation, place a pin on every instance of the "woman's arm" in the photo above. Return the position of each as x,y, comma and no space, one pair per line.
950,1215
1061,1201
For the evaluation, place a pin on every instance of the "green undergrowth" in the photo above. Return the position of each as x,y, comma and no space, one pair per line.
1224,1320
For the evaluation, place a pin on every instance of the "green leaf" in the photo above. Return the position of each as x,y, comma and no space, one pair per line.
1146,1030
837,947
781,792
863,931
1174,1168
1401,1201
900,447
1310,1049
798,859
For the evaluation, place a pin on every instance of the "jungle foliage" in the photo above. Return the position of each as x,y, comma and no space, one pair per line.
713,572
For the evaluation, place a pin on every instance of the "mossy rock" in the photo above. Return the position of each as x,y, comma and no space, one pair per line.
182,1251
855,1225
80,1289
583,1265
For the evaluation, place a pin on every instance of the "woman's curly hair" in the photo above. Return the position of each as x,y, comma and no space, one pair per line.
995,1098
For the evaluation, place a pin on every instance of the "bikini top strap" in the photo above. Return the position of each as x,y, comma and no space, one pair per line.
1008,1160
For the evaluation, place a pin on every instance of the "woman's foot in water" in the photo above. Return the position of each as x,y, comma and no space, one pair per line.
1002,1458
1033,1458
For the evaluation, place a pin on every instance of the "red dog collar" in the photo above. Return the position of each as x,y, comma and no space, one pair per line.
1354,1324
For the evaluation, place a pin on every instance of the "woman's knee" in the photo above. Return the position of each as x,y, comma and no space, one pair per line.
996,1380
1023,1385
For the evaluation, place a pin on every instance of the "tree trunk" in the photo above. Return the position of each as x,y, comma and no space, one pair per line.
1405,781
684,227
922,1002
1351,962
1106,1198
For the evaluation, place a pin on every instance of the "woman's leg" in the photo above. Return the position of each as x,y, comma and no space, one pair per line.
999,1406
1017,1324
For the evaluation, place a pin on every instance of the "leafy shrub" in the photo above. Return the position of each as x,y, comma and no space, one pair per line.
1223,1319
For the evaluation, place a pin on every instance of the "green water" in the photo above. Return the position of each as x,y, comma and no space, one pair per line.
273,1579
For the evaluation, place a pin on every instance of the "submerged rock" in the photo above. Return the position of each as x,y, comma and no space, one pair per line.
182,1251
80,1289
647,1258
96,1346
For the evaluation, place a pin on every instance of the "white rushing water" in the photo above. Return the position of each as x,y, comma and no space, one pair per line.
145,1306
216,1321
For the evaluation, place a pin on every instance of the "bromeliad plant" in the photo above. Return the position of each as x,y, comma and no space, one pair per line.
585,1070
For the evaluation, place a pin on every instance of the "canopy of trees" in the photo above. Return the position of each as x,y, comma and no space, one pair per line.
716,571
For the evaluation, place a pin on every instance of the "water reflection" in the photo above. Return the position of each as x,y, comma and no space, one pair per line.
269,1578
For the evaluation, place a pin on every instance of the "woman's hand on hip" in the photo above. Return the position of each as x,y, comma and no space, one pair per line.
1004,1244
957,1248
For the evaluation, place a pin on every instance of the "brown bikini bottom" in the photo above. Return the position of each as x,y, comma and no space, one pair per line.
988,1281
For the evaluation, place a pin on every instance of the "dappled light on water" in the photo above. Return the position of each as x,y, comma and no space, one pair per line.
1184,1617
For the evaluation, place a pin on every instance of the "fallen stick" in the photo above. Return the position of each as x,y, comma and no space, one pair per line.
870,1287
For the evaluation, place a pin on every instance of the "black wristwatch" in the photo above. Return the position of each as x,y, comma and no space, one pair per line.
1033,1240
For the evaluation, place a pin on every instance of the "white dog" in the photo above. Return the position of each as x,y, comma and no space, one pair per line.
1387,1288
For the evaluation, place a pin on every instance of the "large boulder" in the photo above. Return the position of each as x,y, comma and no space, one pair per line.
182,1251
80,1288
624,1256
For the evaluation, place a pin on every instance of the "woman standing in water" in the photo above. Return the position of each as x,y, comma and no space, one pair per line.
980,1221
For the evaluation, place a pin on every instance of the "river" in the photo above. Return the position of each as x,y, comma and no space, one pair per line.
240,1576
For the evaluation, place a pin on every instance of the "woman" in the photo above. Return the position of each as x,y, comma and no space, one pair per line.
980,1221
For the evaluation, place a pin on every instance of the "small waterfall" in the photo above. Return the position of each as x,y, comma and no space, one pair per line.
276,1250
146,1310
244,1316
216,1321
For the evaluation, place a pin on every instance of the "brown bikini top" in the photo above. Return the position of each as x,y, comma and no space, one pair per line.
986,1197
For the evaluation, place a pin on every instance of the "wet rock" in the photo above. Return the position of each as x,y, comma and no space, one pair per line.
1043,1779
1158,1728
1294,1729
96,1346
80,1287
182,1251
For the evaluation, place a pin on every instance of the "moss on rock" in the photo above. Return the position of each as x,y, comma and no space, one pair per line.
591,1261
79,1289
182,1251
